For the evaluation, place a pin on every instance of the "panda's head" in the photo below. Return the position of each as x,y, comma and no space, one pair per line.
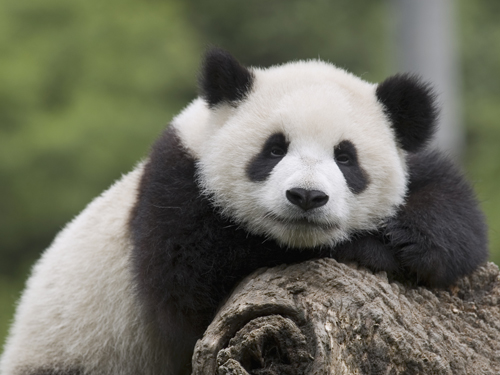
304,153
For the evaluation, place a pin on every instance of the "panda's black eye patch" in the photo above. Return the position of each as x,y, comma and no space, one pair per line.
346,158
262,164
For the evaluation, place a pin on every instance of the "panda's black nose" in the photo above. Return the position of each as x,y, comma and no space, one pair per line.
306,199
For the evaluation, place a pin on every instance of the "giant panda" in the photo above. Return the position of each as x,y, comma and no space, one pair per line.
267,166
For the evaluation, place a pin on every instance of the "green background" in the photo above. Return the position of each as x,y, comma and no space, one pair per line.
86,86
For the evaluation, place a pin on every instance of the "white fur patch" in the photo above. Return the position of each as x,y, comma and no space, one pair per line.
316,106
79,305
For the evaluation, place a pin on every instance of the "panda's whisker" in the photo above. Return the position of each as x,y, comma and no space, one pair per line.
166,207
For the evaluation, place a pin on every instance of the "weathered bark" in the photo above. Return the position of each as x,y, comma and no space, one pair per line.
323,317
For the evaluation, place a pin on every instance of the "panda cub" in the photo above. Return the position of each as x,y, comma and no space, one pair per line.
268,166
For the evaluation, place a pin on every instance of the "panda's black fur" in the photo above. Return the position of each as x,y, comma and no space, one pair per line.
223,78
188,257
410,105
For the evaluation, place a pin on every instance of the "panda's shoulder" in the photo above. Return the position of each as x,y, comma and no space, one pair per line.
432,169
437,183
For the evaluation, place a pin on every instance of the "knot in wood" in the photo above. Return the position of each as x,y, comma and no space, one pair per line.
268,345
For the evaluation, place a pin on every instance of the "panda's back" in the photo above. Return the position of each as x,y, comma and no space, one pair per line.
78,306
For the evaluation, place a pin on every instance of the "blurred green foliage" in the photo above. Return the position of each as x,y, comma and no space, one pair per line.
480,36
85,87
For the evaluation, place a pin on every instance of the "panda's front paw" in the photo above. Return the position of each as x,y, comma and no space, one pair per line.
400,232
368,250
419,256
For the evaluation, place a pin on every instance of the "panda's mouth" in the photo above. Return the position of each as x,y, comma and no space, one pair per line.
303,222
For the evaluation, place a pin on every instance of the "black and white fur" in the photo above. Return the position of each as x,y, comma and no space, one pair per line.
268,166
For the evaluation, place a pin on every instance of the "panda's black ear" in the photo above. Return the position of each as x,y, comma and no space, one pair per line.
411,107
223,79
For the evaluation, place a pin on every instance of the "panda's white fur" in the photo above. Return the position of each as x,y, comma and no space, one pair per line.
86,308
79,305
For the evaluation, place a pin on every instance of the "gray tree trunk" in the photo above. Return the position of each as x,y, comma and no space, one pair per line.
425,35
323,317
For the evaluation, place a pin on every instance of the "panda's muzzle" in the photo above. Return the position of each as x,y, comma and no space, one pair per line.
306,199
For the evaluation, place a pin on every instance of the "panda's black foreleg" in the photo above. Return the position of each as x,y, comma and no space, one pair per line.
439,234
368,250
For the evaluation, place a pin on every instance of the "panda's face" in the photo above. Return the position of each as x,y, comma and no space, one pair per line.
306,159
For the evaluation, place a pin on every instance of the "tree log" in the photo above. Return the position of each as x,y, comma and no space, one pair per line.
324,317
